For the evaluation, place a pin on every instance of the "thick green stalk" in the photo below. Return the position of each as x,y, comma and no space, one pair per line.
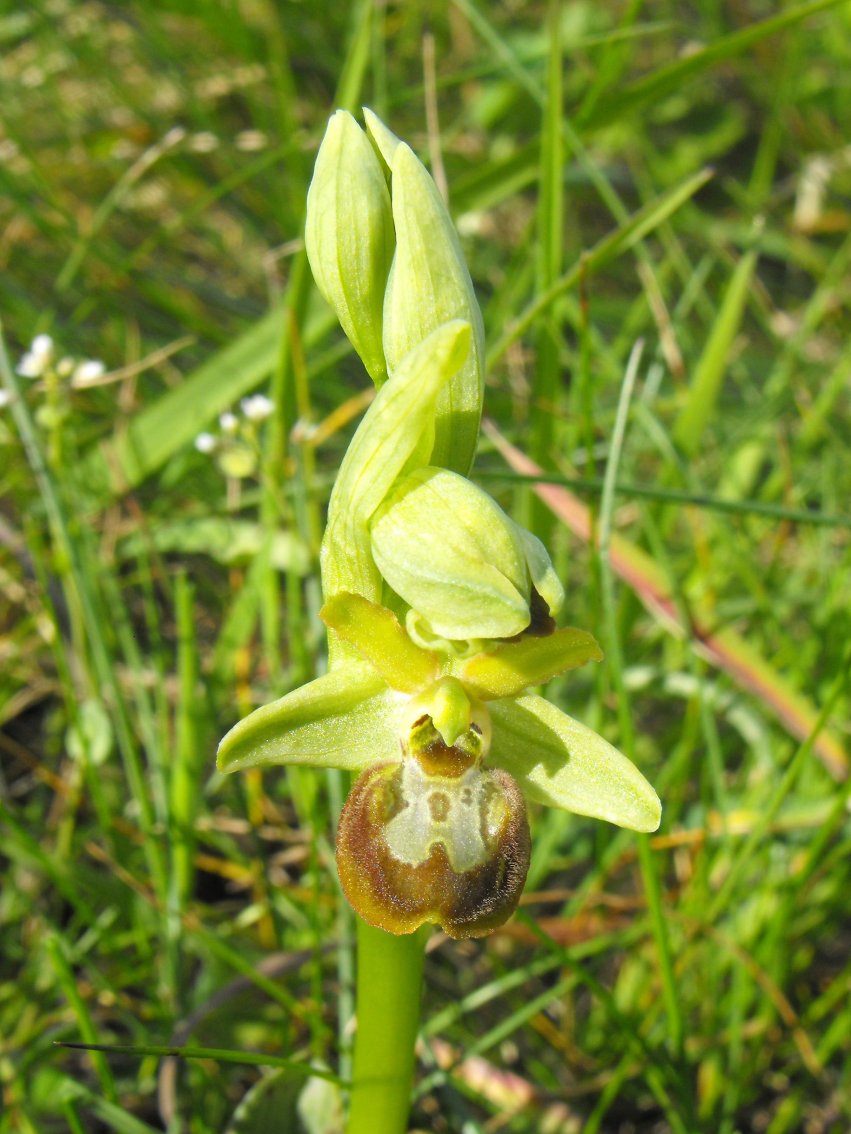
389,984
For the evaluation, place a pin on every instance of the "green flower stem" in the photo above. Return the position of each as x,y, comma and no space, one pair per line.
389,984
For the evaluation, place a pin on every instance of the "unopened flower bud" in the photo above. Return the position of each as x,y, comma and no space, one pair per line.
453,555
429,285
349,236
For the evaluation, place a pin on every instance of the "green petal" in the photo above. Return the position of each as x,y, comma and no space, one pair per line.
511,668
375,633
347,719
562,763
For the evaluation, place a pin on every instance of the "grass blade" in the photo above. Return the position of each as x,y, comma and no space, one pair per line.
220,1054
672,76
642,222
709,372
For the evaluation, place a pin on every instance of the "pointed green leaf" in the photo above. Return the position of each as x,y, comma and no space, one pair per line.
562,763
375,633
513,667
708,375
347,719
395,437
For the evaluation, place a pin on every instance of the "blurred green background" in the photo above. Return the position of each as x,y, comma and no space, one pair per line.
673,176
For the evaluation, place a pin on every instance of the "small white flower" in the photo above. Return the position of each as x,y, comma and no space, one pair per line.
37,358
30,366
228,423
249,141
205,443
203,142
258,407
89,370
5,398
42,345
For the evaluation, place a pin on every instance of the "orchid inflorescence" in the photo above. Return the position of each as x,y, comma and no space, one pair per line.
440,609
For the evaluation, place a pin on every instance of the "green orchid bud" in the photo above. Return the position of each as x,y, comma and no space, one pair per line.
453,555
349,236
435,837
395,437
429,284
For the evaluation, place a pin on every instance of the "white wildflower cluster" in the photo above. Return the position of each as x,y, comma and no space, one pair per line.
40,361
55,372
235,446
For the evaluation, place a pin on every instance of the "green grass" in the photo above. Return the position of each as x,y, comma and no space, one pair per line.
644,172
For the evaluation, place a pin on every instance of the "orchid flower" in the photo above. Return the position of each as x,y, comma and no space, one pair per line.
440,609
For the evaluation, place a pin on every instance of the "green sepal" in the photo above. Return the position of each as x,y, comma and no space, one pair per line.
560,762
395,437
429,284
349,236
375,633
347,718
511,668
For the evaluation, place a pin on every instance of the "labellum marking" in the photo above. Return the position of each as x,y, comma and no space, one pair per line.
464,815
